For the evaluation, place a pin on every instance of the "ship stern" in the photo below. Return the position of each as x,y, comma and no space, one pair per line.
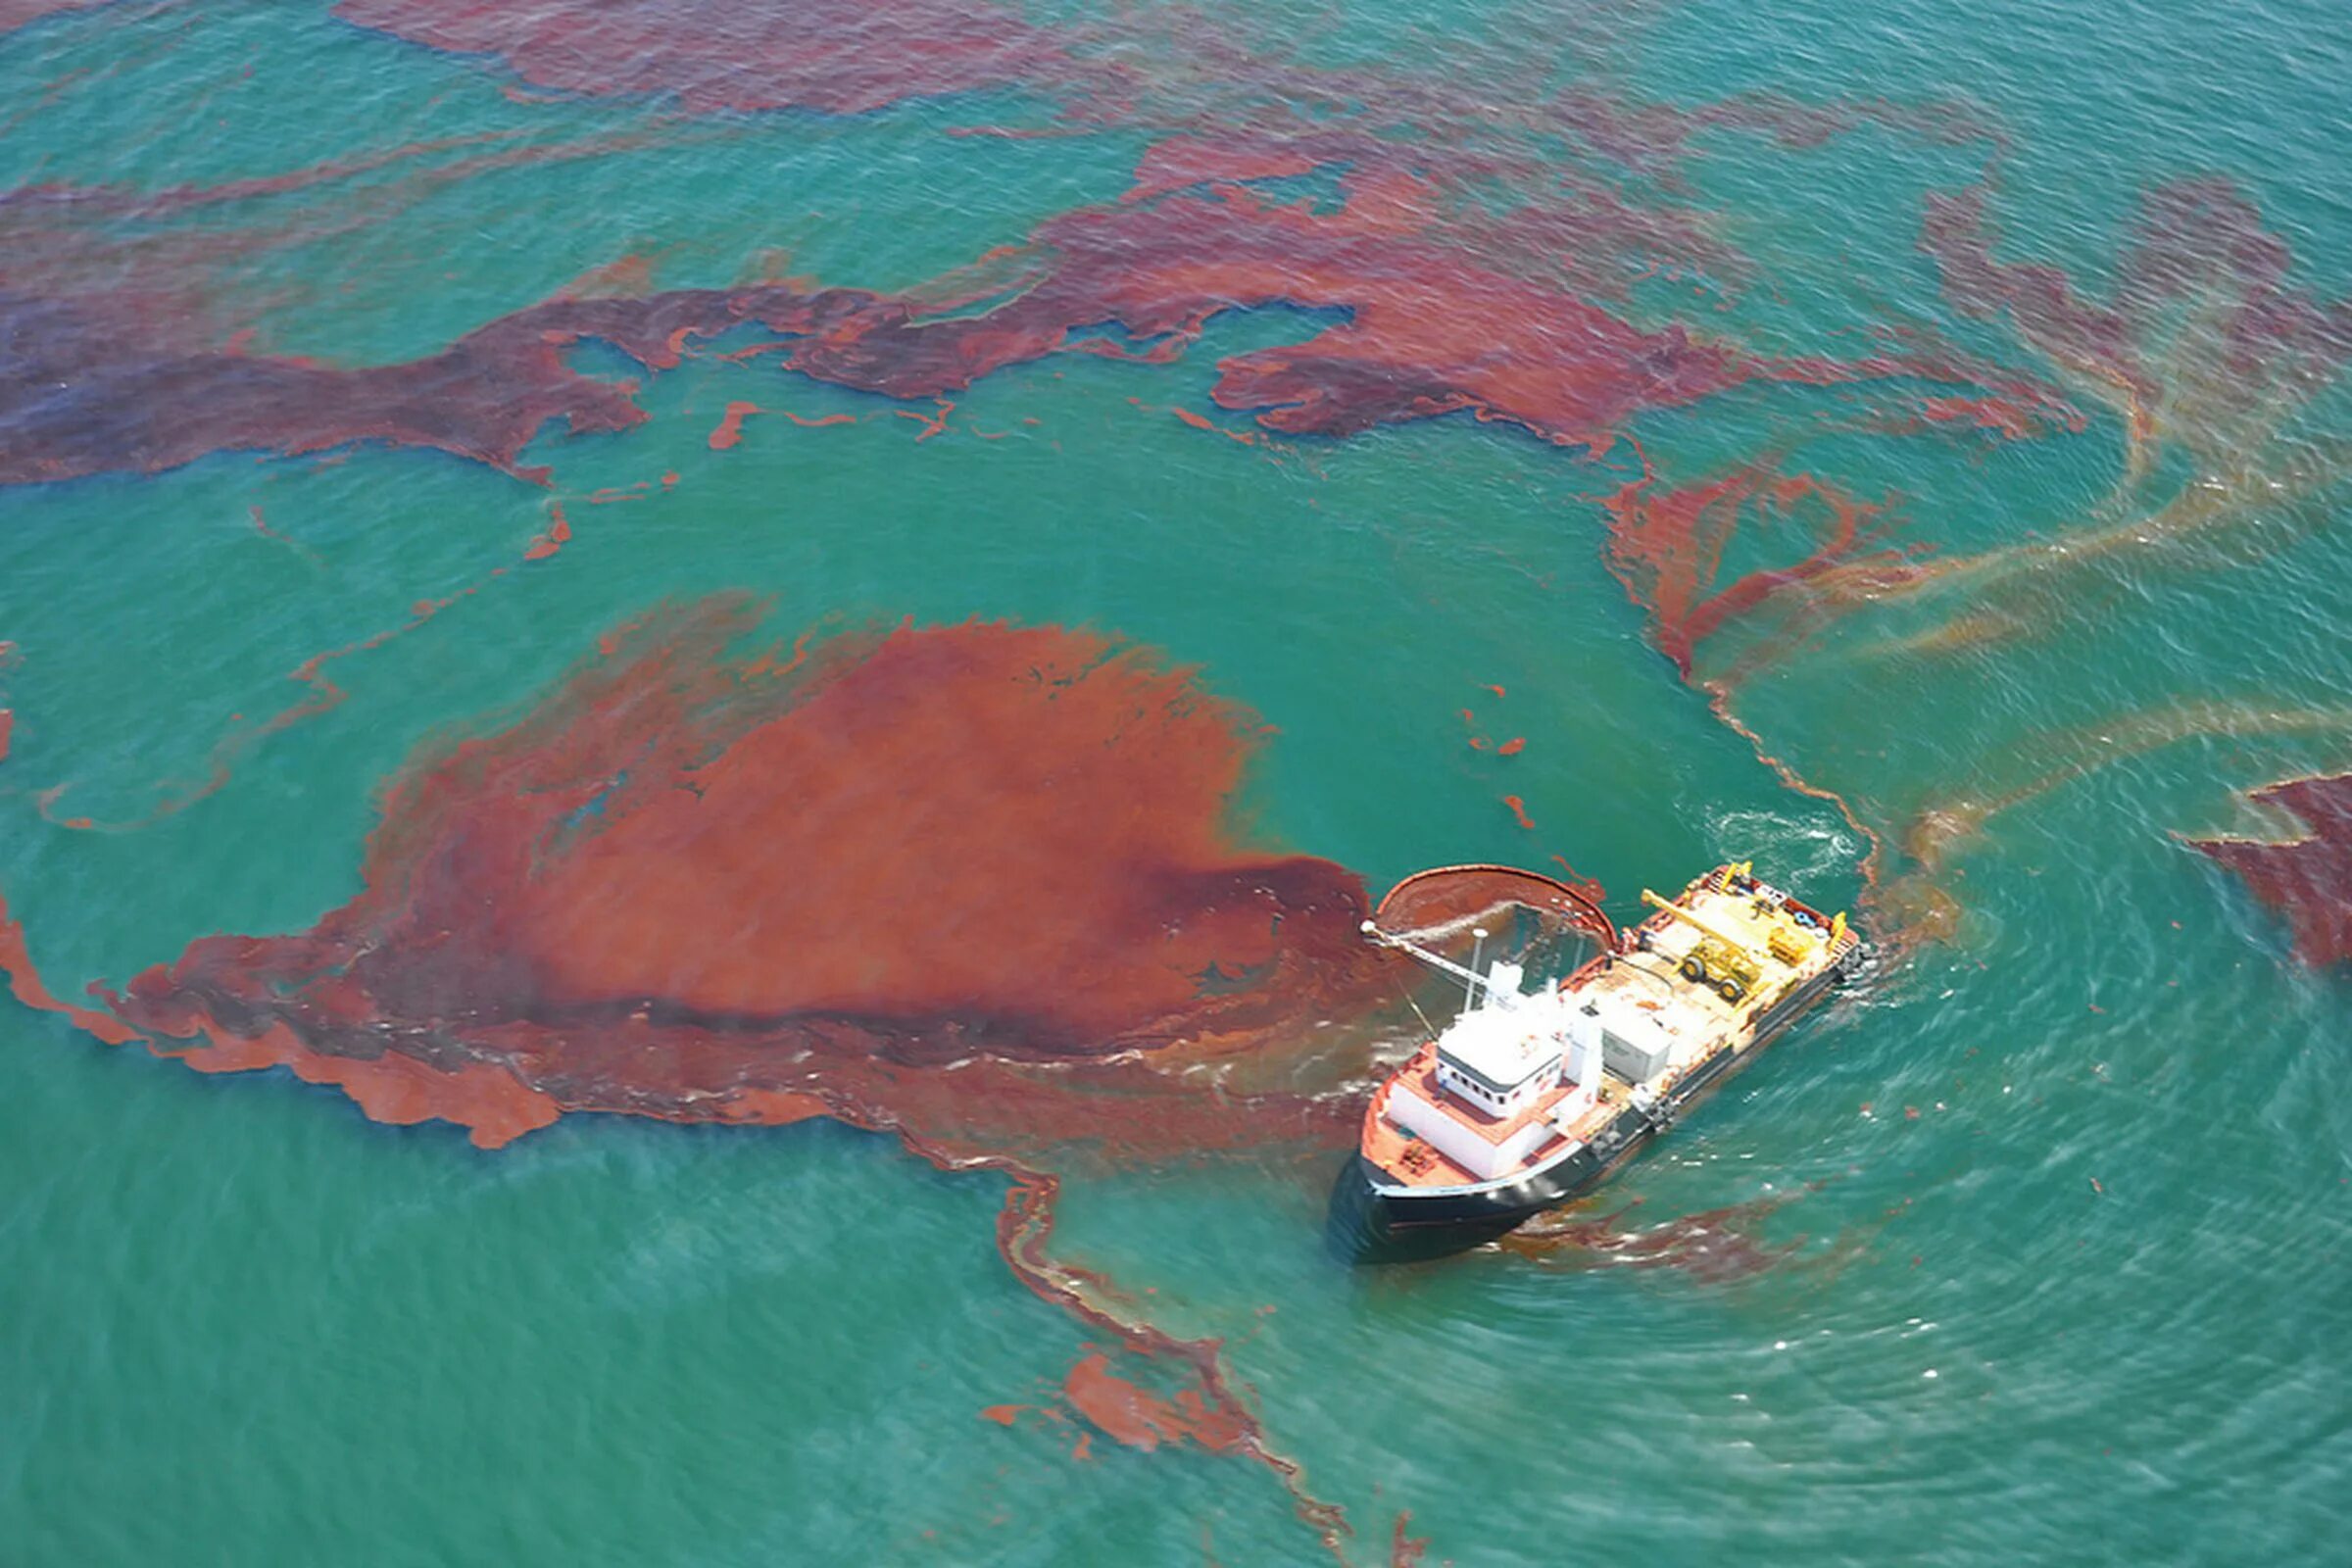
1371,1221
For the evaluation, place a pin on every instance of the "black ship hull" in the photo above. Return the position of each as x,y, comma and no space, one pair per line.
1374,1219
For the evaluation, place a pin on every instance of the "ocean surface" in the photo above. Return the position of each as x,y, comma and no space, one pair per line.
1903,446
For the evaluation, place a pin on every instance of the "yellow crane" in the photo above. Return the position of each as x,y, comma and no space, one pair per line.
1732,963
1728,963
1690,918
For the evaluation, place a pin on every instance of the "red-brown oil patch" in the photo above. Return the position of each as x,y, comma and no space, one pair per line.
556,536
1718,1247
971,881
2004,417
2309,880
148,406
729,429
1216,1404
971,884
392,1087
1201,422
933,424
1518,810
1667,545
1457,301
1483,742
1430,331
2260,348
1585,887
24,983
842,57
261,525
1183,160
1128,1413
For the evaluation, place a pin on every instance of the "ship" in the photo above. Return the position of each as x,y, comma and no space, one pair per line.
1535,1093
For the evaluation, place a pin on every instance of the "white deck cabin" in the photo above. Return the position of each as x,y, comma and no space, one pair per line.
1501,1069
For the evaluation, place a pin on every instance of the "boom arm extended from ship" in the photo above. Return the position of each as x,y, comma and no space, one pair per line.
1435,961
1736,944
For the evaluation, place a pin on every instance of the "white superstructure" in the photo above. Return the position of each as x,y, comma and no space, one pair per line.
1508,1074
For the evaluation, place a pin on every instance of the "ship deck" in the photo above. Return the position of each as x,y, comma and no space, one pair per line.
1642,978
1694,1016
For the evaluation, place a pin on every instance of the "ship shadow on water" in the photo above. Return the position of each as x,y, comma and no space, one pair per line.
1712,1247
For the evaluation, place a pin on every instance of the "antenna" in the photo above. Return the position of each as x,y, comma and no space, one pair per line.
1470,990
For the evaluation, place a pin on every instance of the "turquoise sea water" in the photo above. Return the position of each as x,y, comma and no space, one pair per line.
2069,1274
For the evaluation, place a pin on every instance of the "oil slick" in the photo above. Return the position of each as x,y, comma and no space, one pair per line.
2309,879
976,860
995,904
1100,962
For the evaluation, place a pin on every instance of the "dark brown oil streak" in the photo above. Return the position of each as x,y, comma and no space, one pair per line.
1666,544
110,392
99,396
1429,332
2309,879
2195,240
154,262
123,202
1218,1417
1717,1247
